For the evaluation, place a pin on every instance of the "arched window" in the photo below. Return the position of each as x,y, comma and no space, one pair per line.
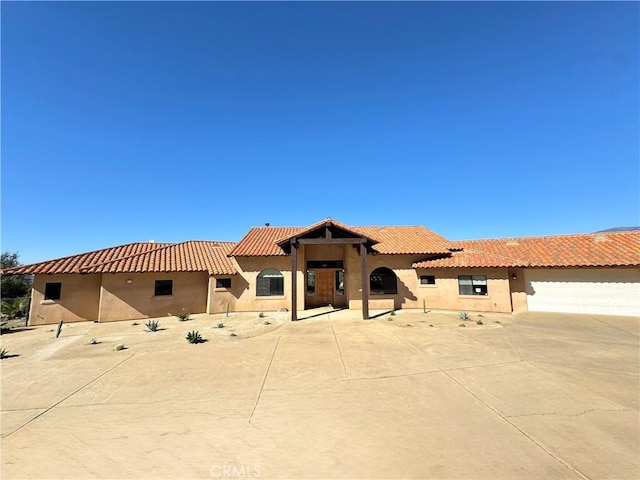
270,283
383,282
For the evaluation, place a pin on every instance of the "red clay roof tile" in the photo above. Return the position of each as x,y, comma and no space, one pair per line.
582,250
263,241
191,256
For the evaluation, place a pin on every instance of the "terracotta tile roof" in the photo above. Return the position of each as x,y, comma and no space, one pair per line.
191,256
321,223
582,250
263,241
405,240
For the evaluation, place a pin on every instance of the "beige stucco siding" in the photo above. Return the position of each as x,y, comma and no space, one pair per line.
79,298
124,301
406,276
444,295
244,297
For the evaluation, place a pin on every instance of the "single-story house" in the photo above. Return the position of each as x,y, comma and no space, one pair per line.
329,263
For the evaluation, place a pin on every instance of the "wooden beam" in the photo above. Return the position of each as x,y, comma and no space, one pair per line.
329,241
365,282
294,281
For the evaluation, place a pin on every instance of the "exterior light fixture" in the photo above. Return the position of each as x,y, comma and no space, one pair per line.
129,281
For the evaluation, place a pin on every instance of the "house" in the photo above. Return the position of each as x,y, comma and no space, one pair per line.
360,268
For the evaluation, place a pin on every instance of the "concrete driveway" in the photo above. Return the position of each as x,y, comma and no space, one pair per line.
411,396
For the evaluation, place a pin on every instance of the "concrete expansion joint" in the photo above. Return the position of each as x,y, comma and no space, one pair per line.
571,415
264,380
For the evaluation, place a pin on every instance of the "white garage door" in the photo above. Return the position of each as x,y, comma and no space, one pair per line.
584,290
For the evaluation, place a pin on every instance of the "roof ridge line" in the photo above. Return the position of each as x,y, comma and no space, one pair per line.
126,257
562,235
75,255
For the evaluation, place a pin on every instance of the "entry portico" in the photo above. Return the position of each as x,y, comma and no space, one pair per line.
327,274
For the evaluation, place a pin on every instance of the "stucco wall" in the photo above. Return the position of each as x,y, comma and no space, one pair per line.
79,298
518,290
445,295
124,301
245,296
407,280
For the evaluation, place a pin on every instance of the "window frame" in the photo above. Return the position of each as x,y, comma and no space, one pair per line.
159,285
427,284
48,295
477,289
385,280
270,286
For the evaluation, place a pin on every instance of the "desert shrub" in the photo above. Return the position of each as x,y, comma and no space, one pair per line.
463,316
462,325
266,322
3,352
194,337
183,317
221,325
479,322
261,315
152,325
119,347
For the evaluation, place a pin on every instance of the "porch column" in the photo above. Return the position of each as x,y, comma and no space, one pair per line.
294,281
365,283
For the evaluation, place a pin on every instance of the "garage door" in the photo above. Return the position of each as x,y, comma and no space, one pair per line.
606,291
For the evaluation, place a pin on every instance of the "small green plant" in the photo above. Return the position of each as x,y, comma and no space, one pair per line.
153,325
184,317
393,313
59,329
194,337
389,319
462,325
463,316
479,322
221,325
118,347
431,325
3,352
227,310
261,315
266,322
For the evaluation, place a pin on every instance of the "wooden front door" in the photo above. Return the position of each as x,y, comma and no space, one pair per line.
324,287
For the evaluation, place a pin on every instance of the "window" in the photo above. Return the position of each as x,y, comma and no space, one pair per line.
311,282
223,283
427,279
163,287
339,282
383,282
270,282
472,284
52,291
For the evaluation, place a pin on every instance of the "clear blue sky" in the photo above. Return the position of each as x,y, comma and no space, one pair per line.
128,121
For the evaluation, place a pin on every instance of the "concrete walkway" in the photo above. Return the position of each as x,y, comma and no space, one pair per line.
542,396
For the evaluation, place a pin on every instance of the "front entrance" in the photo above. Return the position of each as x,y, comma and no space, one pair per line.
325,286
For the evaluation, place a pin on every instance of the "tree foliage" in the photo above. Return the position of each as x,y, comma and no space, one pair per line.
13,286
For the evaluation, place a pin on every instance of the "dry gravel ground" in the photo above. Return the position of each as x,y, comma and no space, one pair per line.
332,396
